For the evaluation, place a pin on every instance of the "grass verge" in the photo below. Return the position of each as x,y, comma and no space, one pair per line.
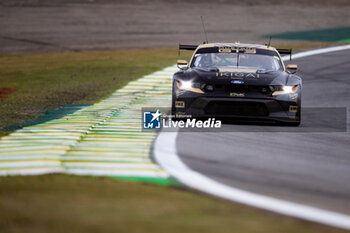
63,203
34,83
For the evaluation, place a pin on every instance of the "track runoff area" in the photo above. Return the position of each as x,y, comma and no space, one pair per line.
106,139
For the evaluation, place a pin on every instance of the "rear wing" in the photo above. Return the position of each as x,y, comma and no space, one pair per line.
187,47
285,51
194,47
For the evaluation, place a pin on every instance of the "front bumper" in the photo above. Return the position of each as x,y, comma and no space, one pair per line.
238,108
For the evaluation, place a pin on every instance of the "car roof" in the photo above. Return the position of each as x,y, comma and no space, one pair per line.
236,44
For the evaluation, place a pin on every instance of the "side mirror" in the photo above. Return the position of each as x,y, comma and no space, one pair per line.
182,64
292,68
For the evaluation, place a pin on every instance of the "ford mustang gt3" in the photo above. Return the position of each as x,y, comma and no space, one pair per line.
237,81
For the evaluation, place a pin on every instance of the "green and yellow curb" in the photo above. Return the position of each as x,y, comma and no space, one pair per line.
104,139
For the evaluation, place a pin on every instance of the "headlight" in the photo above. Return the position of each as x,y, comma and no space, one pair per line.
185,84
189,86
288,89
281,90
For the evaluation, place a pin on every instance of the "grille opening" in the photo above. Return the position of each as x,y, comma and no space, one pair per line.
246,88
236,108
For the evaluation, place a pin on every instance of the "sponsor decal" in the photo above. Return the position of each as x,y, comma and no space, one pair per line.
250,50
225,49
152,120
252,75
236,75
293,108
236,94
228,49
224,74
237,81
179,104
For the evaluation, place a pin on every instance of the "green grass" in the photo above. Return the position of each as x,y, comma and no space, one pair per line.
44,82
327,35
62,203
301,46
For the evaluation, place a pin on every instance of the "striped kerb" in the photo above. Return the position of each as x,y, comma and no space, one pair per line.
104,139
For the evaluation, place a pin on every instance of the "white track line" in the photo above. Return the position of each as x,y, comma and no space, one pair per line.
165,153
318,51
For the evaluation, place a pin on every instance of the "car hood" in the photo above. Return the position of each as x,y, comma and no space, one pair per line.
227,75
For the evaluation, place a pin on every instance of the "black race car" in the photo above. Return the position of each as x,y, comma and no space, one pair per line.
237,81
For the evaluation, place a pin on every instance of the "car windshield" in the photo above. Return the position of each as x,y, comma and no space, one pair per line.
259,61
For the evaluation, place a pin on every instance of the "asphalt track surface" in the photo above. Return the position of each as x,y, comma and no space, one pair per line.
309,164
75,25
